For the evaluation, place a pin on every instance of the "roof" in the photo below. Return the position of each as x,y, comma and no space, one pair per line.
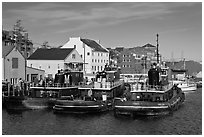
6,50
199,75
149,46
94,45
34,68
138,50
51,54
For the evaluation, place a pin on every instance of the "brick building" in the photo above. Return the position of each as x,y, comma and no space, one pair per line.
137,59
20,40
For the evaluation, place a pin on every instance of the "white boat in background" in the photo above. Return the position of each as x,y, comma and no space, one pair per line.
185,85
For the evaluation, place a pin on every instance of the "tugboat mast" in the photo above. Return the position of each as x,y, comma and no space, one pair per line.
157,49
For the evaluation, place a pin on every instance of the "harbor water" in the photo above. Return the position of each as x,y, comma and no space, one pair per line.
185,121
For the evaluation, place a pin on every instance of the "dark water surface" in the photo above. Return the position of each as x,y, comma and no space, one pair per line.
186,121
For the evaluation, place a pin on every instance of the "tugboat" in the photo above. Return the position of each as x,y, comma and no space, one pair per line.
152,97
94,97
66,83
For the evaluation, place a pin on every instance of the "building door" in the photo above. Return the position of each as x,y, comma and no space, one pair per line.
33,76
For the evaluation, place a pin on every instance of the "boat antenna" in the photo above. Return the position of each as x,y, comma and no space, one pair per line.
157,48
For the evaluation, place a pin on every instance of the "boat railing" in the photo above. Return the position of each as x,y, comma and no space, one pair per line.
139,87
104,85
57,85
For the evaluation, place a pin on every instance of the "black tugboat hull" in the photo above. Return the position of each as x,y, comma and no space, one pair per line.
141,110
80,107
148,108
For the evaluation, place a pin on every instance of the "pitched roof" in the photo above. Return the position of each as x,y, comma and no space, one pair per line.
149,46
94,45
51,54
140,50
6,50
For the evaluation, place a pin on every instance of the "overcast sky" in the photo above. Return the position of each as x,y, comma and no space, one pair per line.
117,24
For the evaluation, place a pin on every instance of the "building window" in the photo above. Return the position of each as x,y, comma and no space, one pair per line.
88,53
14,63
73,56
95,60
27,77
92,54
107,55
98,61
98,68
101,54
31,65
104,61
49,66
123,66
123,55
81,55
95,68
101,61
123,60
92,67
98,54
58,66
40,67
92,60
107,61
101,68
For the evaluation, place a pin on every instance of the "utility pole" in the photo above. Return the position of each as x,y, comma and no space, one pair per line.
84,58
158,48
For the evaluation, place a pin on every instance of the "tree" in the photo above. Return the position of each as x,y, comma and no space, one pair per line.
45,44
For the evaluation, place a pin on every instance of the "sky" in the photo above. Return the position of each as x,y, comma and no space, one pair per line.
115,24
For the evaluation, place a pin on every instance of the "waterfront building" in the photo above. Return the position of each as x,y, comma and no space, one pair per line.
114,56
33,73
137,59
94,55
13,64
54,59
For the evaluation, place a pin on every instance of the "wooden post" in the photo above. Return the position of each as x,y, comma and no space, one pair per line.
13,90
9,88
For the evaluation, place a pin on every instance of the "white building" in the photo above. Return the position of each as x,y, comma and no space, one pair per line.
54,59
13,64
33,73
94,55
